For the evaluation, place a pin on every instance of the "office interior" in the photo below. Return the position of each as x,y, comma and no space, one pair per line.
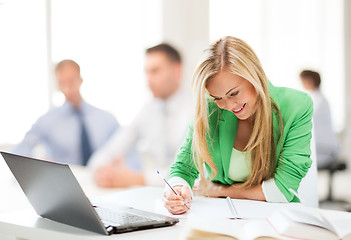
108,39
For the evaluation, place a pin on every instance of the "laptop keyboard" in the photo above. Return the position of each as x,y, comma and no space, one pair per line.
114,218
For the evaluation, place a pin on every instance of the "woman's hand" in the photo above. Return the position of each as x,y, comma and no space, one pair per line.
176,204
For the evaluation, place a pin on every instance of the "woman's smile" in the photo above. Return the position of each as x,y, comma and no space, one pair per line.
239,110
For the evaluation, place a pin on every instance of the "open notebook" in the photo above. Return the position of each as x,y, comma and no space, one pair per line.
305,223
218,207
312,223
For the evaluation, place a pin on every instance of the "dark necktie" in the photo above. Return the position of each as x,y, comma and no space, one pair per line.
86,149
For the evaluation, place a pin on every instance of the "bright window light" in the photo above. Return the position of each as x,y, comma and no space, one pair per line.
107,38
23,67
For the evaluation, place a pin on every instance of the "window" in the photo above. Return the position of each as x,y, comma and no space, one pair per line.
23,64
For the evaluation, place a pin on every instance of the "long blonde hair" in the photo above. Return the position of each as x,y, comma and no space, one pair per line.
235,55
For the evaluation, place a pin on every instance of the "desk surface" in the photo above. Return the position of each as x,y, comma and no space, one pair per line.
26,224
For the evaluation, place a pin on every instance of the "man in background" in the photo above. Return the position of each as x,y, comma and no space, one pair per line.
157,131
72,132
326,139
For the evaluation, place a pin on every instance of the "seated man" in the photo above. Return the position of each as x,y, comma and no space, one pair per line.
326,139
72,132
157,131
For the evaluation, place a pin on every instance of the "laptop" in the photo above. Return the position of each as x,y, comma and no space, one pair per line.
55,193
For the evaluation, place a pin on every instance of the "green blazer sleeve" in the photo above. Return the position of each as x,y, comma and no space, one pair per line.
294,161
184,165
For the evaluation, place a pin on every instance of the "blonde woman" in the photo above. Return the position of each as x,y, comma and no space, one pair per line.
249,139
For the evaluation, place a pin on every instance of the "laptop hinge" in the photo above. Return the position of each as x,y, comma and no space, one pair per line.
110,230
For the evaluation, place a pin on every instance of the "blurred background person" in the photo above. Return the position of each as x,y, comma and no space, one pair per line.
157,131
72,132
326,139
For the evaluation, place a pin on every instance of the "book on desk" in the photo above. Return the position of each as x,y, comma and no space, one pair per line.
284,223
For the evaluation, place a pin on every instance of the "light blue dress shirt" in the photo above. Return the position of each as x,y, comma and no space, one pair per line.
59,132
326,139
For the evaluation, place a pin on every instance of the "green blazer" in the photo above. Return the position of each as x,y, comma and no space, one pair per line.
293,156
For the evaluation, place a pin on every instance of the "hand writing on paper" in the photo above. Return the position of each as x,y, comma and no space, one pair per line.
174,203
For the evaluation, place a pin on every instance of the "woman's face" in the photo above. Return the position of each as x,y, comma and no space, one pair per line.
233,93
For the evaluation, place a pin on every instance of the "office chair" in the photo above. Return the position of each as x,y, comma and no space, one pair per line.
336,166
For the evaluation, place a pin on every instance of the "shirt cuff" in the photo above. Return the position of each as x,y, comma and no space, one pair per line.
272,192
178,181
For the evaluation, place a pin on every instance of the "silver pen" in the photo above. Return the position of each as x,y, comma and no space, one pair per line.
232,208
175,192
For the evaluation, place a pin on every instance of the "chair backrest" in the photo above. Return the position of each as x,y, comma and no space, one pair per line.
308,190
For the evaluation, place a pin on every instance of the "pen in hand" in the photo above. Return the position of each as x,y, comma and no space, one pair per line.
175,192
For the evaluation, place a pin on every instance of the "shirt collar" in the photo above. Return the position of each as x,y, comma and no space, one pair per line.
67,107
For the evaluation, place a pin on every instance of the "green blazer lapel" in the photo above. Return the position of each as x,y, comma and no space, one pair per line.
227,131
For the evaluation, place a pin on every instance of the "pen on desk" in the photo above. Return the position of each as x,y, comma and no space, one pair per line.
175,192
232,208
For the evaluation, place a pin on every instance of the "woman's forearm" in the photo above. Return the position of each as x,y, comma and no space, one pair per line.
234,191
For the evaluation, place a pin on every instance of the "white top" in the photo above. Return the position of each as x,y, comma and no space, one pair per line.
157,132
240,166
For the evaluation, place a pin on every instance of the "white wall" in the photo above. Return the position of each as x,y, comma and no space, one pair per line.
289,36
185,24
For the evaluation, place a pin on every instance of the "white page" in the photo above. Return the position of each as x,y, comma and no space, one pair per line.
260,209
311,216
200,206
218,207
284,224
341,222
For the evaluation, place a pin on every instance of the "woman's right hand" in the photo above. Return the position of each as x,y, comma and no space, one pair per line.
176,204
